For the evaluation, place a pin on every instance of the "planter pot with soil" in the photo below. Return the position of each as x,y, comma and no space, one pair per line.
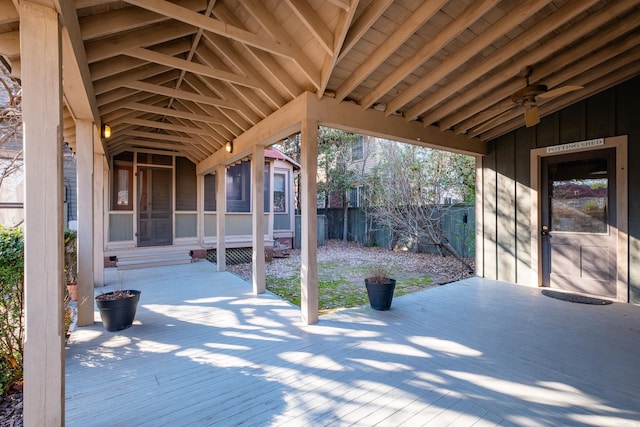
118,309
380,292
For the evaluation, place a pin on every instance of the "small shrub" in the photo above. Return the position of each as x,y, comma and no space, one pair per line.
11,306
378,274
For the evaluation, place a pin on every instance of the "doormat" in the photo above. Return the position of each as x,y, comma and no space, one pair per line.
581,299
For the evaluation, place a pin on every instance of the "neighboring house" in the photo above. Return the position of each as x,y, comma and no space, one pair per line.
158,200
366,155
12,186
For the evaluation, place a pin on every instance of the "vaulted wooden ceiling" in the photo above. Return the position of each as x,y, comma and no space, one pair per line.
189,75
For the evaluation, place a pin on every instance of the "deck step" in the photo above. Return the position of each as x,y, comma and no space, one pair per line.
151,259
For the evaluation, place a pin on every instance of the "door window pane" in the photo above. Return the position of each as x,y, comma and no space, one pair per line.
579,196
122,190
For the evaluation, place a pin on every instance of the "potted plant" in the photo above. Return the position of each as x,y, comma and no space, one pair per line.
118,308
71,263
380,288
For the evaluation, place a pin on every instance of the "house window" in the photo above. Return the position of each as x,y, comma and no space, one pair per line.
122,188
210,193
355,197
357,150
239,188
279,192
186,185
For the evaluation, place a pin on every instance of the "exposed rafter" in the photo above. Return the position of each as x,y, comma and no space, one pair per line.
207,71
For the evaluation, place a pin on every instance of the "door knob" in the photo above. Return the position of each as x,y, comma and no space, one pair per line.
545,230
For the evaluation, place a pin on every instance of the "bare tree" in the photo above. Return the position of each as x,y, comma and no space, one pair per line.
411,192
11,159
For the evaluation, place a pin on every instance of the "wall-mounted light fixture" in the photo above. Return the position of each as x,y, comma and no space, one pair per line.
105,131
228,147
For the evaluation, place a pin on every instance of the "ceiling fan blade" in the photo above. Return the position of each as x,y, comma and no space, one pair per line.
531,116
558,91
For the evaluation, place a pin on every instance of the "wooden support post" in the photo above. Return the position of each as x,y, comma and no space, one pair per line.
479,218
84,161
42,117
221,211
100,176
309,233
200,208
257,193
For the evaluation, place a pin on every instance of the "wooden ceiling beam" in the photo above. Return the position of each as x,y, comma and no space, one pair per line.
470,102
124,91
214,140
205,110
126,19
508,22
248,97
275,71
101,49
344,22
227,51
343,4
274,28
218,130
361,25
595,80
10,44
123,63
198,20
182,94
192,67
470,15
191,130
236,116
160,136
588,52
269,63
503,58
390,45
8,12
314,24
116,81
76,78
136,106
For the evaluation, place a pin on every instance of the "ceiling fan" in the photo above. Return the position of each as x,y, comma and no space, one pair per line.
528,95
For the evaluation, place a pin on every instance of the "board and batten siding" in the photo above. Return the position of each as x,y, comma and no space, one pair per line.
506,196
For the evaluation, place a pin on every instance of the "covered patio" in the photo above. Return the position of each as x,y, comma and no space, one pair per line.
209,83
205,350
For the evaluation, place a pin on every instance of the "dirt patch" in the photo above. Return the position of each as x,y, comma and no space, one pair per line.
343,267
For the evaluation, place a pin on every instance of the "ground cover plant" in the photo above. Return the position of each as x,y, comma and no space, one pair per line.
342,268
11,306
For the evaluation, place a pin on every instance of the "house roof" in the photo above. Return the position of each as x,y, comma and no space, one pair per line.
272,153
188,76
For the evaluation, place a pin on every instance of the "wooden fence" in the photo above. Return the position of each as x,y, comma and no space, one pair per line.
458,225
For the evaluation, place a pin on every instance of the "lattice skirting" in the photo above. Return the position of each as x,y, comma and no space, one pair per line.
234,255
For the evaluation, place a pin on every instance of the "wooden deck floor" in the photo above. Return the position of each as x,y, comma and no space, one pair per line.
204,351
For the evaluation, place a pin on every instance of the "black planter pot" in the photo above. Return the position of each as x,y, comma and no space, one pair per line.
118,314
380,294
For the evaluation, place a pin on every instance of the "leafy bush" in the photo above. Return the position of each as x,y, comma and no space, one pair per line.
11,306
